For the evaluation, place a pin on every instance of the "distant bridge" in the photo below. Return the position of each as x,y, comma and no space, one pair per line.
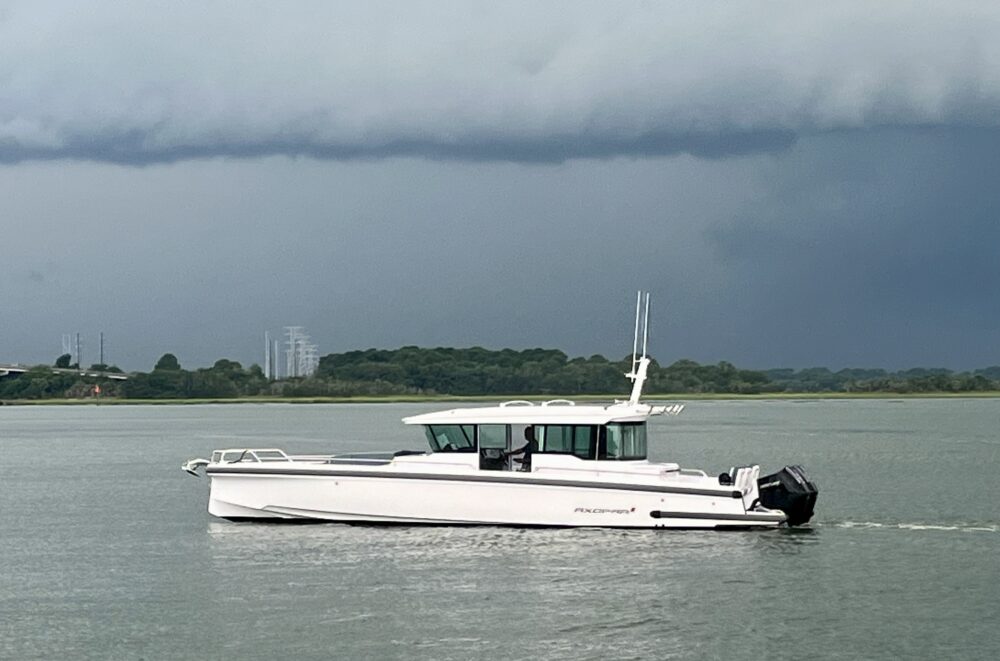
6,370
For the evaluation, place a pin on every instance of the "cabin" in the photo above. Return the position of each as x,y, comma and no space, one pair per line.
500,434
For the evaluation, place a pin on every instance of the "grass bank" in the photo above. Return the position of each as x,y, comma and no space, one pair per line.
395,399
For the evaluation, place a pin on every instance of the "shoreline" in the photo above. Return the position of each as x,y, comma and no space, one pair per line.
418,399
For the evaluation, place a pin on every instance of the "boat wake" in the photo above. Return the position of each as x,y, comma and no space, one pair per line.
961,527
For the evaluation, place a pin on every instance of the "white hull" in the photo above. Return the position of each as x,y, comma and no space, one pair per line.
509,499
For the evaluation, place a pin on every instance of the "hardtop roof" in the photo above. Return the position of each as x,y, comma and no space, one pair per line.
515,413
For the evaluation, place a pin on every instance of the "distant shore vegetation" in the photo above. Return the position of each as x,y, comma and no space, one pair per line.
413,373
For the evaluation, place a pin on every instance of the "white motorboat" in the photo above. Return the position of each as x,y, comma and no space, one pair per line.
580,465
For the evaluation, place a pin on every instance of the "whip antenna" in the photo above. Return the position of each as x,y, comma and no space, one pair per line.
645,327
635,338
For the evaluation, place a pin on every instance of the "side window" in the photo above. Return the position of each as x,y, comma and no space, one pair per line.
451,438
626,440
613,447
634,442
578,440
556,439
584,441
493,437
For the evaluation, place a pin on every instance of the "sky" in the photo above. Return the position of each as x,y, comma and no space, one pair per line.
796,183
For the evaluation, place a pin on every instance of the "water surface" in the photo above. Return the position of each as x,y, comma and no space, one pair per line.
107,552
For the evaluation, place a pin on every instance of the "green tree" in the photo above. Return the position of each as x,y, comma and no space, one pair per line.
167,361
63,361
226,365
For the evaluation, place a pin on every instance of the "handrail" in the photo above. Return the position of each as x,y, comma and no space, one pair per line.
566,402
516,402
668,409
358,460
243,455
251,454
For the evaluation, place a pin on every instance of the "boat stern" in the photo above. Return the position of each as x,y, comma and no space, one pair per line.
790,491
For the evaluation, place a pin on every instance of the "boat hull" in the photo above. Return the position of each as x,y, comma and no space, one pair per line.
503,500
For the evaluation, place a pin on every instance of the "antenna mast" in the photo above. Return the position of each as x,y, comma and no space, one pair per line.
645,327
639,365
635,337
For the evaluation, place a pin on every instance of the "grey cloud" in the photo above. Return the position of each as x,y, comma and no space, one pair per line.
200,257
145,83
133,149
873,249
849,249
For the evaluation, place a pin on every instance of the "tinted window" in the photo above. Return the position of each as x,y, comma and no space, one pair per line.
584,440
451,438
625,440
493,436
555,438
577,440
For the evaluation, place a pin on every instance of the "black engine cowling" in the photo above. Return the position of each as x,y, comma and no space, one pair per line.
790,491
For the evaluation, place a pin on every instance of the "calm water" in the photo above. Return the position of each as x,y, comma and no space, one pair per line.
107,552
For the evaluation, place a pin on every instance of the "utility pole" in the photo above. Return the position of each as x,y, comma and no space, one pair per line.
102,348
79,360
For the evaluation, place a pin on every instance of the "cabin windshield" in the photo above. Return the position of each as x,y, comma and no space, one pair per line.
624,441
616,441
451,438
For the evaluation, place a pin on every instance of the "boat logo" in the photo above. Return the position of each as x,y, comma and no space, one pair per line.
601,510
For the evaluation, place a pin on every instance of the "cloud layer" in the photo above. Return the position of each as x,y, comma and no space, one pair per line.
140,83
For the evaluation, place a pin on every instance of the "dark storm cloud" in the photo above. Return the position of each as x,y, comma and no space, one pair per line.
131,149
858,226
877,248
140,83
849,249
199,258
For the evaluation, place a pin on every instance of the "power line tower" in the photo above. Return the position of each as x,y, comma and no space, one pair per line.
292,339
308,357
301,355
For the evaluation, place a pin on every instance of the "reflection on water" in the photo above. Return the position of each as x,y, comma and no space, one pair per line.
345,544
787,541
256,543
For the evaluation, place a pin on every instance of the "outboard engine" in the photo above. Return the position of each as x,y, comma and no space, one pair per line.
790,491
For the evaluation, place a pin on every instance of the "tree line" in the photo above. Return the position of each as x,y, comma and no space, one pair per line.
477,371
